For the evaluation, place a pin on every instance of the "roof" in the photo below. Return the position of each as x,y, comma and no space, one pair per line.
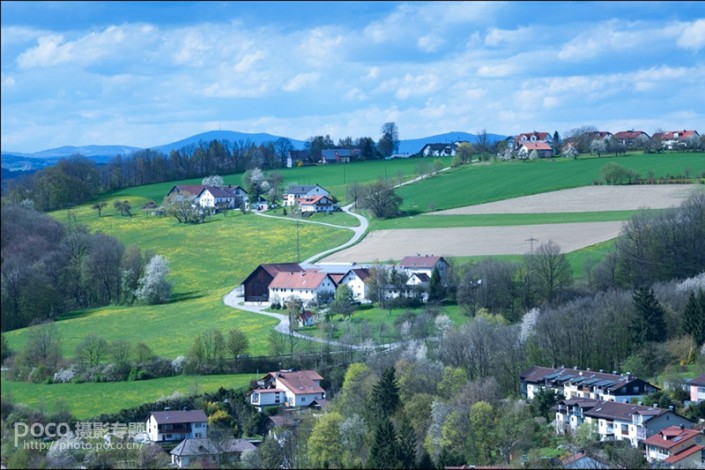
306,314
219,192
610,382
580,461
283,420
189,447
622,411
632,134
186,416
298,280
698,381
684,134
193,189
670,437
428,262
538,135
337,277
195,447
362,273
301,189
423,277
536,146
686,453
315,200
299,382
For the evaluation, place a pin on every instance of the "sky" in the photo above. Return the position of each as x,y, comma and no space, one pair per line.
145,74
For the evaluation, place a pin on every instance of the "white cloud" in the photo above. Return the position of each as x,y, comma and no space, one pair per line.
416,86
54,49
300,81
693,36
429,43
497,37
496,71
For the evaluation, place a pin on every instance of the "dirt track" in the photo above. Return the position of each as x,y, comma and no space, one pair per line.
384,245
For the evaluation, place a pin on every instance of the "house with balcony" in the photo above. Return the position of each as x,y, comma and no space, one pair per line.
676,446
614,421
294,194
290,389
578,383
175,426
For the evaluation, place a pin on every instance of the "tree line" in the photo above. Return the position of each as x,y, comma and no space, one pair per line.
50,268
77,179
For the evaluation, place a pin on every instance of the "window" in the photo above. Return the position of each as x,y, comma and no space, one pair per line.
303,399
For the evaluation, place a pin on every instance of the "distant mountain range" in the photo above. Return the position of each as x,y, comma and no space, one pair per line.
17,161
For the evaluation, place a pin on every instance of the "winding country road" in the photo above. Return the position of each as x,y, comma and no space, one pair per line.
235,299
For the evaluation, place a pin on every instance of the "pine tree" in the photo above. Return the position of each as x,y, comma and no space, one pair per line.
385,448
694,317
435,286
650,317
386,394
406,436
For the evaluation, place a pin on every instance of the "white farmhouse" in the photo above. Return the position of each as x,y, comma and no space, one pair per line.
288,388
164,426
306,286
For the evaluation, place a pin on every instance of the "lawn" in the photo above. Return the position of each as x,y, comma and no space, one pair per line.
495,181
90,400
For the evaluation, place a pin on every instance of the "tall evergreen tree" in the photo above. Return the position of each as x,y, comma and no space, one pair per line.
435,286
384,452
386,394
694,317
406,437
650,323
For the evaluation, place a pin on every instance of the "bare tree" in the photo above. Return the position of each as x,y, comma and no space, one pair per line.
381,199
389,142
550,270
92,350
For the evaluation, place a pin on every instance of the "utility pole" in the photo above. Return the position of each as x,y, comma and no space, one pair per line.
297,239
531,240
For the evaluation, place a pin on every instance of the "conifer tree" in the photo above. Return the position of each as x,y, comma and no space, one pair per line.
386,394
650,323
694,317
385,448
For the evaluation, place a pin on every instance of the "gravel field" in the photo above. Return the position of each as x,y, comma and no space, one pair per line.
585,199
383,245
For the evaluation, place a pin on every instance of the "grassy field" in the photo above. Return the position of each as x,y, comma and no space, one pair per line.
206,261
90,400
488,182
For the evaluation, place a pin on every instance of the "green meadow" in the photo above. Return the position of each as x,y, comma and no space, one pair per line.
494,181
90,400
206,261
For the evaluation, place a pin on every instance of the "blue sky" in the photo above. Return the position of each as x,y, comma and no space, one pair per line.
149,73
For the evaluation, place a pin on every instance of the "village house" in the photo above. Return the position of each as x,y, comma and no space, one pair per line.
256,286
230,197
289,389
696,387
296,156
632,138
542,149
439,150
296,193
206,453
614,420
209,196
343,155
676,446
170,426
576,383
318,204
306,318
356,279
425,265
673,140
514,143
309,286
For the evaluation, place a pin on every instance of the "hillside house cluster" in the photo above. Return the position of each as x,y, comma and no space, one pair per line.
278,283
212,197
576,383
